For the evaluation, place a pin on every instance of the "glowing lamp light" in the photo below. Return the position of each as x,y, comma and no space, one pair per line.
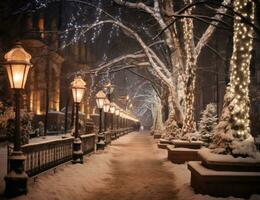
109,88
121,113
78,87
117,111
106,105
100,98
17,66
112,108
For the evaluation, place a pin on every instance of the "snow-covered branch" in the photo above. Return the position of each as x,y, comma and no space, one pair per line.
117,60
138,5
208,33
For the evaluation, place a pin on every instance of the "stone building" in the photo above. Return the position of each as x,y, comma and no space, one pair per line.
48,86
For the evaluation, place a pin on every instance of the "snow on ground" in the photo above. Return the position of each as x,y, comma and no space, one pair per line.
3,154
131,168
213,157
125,169
71,181
182,182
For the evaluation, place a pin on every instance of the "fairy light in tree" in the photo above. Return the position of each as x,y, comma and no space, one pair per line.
189,123
239,72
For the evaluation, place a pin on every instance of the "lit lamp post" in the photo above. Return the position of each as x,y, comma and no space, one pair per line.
117,112
112,111
121,118
100,99
127,101
109,88
17,66
78,87
106,110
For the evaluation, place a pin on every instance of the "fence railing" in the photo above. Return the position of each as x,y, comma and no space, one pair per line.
46,155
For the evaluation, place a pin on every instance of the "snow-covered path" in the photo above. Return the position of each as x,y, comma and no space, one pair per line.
137,172
132,168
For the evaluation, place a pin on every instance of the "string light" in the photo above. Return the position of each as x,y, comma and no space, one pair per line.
189,122
240,72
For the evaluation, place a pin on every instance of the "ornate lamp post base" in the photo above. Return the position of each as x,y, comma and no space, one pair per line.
77,156
16,179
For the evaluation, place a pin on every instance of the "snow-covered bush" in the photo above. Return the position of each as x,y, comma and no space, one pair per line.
226,139
171,130
6,112
7,122
207,123
195,136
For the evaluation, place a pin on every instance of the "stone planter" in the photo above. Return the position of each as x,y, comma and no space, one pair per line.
181,155
224,175
181,151
157,136
187,144
162,144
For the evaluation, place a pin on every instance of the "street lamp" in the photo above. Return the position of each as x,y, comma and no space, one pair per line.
127,100
78,87
121,113
112,111
106,110
17,66
100,98
117,111
109,88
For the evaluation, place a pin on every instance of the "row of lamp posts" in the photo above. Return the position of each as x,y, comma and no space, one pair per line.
17,65
105,106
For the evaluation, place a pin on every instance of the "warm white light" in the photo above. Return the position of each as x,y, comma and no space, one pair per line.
109,88
100,98
78,87
112,108
17,66
121,113
117,111
106,105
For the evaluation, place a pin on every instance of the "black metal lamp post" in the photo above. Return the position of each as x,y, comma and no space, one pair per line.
112,111
100,99
117,111
109,88
121,118
78,87
106,110
17,66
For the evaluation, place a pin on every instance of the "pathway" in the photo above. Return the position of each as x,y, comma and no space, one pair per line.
131,168
137,172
